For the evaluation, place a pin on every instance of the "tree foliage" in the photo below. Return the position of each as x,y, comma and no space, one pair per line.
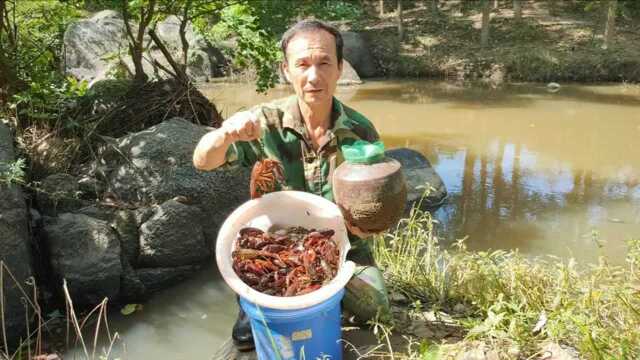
253,45
256,25
32,56
31,37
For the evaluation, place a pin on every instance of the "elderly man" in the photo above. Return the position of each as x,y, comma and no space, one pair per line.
304,132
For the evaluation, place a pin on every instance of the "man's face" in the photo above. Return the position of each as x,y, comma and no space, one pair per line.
312,66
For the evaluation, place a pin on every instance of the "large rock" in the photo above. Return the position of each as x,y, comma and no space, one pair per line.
173,236
59,193
356,51
155,165
92,45
168,31
555,351
124,223
97,49
14,244
420,174
86,252
349,75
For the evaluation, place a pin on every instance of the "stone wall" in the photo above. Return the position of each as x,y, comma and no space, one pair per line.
14,244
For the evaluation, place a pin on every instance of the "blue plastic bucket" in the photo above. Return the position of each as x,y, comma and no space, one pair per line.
310,333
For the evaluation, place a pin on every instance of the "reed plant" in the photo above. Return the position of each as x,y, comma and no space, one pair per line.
513,301
32,346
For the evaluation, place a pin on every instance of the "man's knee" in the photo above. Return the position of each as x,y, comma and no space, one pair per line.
366,295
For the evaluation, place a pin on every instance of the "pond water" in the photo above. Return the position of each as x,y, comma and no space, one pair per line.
544,172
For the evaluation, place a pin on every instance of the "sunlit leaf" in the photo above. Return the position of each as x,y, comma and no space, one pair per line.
130,309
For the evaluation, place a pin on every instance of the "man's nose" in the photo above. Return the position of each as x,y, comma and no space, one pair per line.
312,74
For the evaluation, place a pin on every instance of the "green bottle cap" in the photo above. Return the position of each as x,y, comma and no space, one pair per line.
363,152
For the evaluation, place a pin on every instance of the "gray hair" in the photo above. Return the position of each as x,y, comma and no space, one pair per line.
310,25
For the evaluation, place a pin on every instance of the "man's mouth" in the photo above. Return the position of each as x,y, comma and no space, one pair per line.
312,90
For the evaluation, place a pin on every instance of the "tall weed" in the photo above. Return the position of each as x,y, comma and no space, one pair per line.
518,300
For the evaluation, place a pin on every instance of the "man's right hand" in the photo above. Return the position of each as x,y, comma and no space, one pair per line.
210,151
243,126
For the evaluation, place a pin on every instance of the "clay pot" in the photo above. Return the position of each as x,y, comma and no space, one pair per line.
370,196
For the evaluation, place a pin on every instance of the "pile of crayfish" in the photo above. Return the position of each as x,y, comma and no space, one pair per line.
287,262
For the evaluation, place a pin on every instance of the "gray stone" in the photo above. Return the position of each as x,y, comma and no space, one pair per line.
155,279
356,51
97,48
155,165
97,212
125,224
143,214
419,173
14,244
131,287
555,351
86,252
349,75
474,354
168,31
173,236
59,193
91,43
88,185
35,218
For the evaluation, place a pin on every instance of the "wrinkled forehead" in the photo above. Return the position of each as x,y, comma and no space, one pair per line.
312,41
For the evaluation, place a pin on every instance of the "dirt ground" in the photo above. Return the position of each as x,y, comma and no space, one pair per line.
559,44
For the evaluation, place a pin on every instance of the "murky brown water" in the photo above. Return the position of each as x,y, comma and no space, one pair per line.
543,172
526,168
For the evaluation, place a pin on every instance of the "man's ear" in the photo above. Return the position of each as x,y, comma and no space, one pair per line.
284,68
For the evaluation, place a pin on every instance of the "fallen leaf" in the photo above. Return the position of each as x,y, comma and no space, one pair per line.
130,309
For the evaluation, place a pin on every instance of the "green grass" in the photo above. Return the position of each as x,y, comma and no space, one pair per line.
593,308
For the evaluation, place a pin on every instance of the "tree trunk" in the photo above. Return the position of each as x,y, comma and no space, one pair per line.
177,68
134,50
400,25
183,35
486,16
8,54
136,57
381,8
610,29
495,4
136,43
5,80
517,9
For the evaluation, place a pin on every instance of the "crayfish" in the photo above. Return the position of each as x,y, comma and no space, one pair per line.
265,175
287,262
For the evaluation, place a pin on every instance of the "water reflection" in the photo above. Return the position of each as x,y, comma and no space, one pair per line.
511,95
526,168
503,200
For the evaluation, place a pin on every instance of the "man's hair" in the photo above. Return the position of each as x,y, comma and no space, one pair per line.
308,26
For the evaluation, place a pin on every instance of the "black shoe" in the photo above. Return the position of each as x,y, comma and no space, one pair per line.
241,334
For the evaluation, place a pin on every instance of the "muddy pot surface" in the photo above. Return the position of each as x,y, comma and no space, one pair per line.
371,196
